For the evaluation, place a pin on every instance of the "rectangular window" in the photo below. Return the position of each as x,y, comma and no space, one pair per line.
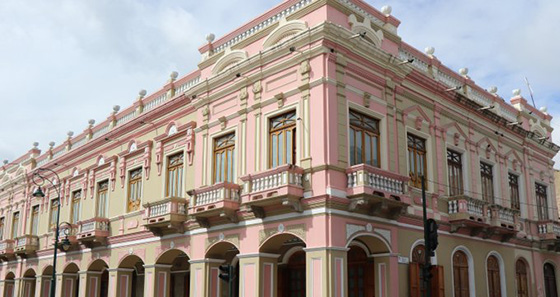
487,178
224,158
416,159
175,176
364,140
134,189
76,200
282,140
455,167
34,220
2,221
54,213
15,225
514,191
542,202
102,189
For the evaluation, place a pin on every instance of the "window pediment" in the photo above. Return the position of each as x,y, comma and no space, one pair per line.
285,30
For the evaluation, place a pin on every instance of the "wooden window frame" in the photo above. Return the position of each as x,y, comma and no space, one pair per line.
513,181
178,171
461,270
541,195
521,278
360,125
416,151
15,225
287,125
35,215
487,181
455,165
493,276
102,189
225,174
134,189
76,201
52,217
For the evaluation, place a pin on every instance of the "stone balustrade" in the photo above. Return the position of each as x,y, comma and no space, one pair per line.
380,180
26,245
166,215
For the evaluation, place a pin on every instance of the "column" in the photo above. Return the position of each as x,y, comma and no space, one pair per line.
16,287
258,275
157,280
120,282
68,284
42,285
92,281
326,271
28,287
386,275
204,278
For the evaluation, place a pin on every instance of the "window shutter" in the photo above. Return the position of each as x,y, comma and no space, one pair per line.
438,284
414,278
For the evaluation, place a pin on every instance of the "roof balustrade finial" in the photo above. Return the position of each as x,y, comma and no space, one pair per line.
210,37
386,10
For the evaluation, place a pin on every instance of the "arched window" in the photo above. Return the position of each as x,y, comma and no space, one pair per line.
521,279
293,280
416,274
493,273
360,273
461,274
550,281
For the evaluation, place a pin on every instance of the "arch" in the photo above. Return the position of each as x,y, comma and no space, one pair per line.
132,146
421,242
47,270
130,261
503,287
167,257
98,265
538,129
522,277
71,268
470,262
274,243
228,60
375,243
30,272
289,253
171,128
549,273
100,160
224,250
375,37
285,30
10,276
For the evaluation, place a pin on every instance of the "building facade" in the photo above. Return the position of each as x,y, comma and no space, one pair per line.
294,153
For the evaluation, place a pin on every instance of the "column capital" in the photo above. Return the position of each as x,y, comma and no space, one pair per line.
216,261
258,255
163,266
326,248
120,270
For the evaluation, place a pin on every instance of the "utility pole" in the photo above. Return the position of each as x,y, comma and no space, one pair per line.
427,247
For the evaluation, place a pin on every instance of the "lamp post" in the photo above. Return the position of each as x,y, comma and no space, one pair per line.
39,193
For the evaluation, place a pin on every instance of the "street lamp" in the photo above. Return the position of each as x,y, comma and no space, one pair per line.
39,193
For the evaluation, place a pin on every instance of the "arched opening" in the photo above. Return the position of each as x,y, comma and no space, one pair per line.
361,261
227,252
461,274
28,283
180,272
550,280
46,280
291,276
493,273
70,280
521,279
97,283
131,277
9,284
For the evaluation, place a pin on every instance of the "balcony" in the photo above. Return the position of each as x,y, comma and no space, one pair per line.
219,200
376,191
480,217
166,216
93,232
281,186
6,249
549,233
68,231
26,245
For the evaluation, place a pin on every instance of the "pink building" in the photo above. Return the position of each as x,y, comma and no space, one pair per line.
294,154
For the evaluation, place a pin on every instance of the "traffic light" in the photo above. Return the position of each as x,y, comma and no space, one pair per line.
432,243
226,272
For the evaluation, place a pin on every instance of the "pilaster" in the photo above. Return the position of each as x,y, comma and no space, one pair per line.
258,275
120,282
157,280
326,271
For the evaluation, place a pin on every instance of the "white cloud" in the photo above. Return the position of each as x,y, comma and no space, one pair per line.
63,62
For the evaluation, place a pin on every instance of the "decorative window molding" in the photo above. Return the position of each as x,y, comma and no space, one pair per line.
183,138
228,60
285,30
375,37
127,159
107,170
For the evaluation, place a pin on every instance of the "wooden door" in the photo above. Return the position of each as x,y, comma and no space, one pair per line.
460,274
293,279
521,279
361,277
550,281
493,273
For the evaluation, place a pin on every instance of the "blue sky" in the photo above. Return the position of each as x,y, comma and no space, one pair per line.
63,62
